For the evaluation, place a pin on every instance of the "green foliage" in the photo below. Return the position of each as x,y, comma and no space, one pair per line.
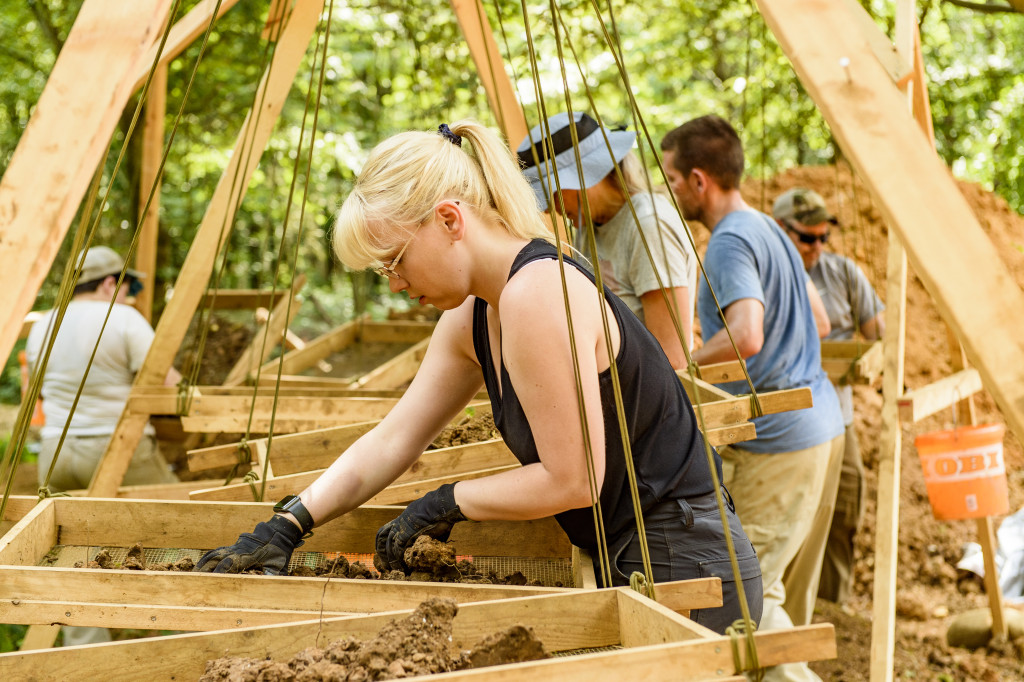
11,637
395,66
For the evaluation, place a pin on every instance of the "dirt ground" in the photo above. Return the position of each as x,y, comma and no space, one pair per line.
415,645
929,591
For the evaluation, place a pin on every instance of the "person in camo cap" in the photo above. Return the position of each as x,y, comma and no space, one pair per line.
853,307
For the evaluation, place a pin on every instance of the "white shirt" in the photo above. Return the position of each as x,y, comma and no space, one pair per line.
121,351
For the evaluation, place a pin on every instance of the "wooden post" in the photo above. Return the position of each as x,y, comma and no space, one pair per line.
266,339
198,266
68,134
491,68
152,152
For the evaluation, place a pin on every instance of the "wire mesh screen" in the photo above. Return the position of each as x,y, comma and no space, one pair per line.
550,572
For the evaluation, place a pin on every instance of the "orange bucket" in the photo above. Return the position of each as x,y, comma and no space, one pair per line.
964,471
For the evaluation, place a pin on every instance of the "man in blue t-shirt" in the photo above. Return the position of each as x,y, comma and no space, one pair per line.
785,480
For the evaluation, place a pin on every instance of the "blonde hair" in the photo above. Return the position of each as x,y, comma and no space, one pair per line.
634,176
409,173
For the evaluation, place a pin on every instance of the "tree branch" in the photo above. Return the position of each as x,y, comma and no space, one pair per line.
1014,6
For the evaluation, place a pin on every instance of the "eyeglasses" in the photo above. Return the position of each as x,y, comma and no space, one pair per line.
389,270
805,238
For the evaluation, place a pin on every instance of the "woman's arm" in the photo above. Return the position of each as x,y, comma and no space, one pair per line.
535,346
446,381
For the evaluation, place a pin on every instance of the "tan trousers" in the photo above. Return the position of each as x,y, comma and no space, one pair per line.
837,567
785,502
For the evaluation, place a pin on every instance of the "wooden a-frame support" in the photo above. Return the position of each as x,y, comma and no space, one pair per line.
931,224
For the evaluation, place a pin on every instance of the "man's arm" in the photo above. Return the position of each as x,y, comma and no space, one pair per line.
658,319
745,319
818,309
874,328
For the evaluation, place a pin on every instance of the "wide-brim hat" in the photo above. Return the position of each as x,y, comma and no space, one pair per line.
595,161
101,261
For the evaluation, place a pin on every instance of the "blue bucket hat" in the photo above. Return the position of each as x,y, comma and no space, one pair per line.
594,158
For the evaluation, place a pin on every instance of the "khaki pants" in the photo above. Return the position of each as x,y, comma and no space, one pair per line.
80,455
785,502
837,567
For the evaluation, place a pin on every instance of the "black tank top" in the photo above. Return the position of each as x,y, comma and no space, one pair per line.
667,447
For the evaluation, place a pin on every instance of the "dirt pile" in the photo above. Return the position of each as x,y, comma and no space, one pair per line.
930,592
416,645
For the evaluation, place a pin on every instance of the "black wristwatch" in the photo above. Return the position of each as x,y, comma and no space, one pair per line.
293,505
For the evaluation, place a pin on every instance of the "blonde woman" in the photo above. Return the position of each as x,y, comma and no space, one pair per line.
461,231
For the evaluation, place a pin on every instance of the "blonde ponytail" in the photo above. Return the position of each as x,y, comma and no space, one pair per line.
406,176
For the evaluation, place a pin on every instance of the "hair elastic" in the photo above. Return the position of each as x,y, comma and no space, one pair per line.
447,134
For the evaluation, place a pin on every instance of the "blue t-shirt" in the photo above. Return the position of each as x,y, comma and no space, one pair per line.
749,256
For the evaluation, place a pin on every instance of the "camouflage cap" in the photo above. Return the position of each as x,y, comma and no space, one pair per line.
803,205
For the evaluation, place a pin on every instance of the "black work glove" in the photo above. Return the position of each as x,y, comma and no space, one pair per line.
270,545
433,514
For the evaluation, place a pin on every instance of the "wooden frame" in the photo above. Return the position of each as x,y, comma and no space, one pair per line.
194,601
852,362
651,642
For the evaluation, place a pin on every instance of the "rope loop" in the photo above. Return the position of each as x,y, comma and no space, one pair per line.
43,492
182,405
638,583
749,663
251,479
244,454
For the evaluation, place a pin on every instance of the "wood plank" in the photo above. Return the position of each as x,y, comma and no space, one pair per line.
41,636
268,335
588,620
912,188
738,409
154,112
395,331
717,372
733,433
67,135
939,395
490,67
205,525
182,34
28,541
342,410
168,600
685,595
241,299
195,272
643,622
293,453
320,348
431,469
396,372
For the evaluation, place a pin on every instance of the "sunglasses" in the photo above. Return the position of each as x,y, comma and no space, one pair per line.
807,238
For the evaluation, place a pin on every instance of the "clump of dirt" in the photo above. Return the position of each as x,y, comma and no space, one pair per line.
475,429
136,561
416,645
930,592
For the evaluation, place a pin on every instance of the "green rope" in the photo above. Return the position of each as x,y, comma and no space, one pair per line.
748,663
44,492
638,583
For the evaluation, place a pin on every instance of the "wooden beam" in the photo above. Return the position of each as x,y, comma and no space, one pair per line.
171,600
717,372
852,361
154,112
396,372
31,537
395,331
268,335
67,135
182,34
271,94
584,619
491,68
925,401
298,452
241,299
318,349
913,189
